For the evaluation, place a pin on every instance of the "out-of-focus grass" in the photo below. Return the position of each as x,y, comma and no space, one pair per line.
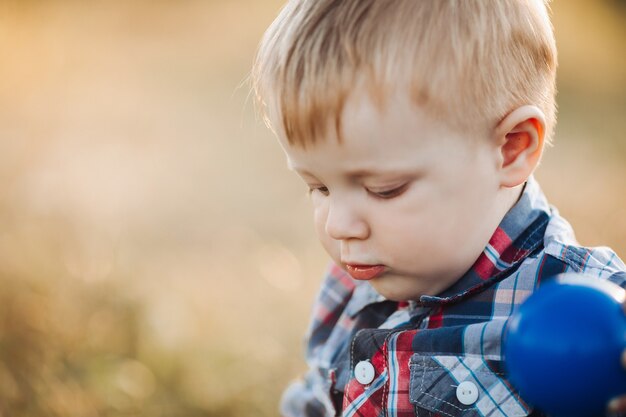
156,257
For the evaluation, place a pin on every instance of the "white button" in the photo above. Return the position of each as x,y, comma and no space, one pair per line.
364,372
467,393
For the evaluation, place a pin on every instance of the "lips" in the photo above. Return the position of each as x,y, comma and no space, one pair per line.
364,272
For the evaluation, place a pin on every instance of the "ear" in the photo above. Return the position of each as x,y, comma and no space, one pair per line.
520,137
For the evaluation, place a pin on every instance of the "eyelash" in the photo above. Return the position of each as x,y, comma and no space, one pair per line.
384,195
321,189
389,194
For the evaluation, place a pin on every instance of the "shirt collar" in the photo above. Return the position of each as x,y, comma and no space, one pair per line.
520,233
364,294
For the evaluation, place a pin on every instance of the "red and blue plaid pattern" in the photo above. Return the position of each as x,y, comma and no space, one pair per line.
422,350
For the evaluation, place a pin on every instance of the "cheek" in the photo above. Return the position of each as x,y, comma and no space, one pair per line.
320,214
403,230
426,224
330,245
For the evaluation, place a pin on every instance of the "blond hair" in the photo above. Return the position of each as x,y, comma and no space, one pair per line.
470,62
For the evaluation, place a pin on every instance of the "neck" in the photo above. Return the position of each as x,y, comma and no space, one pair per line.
510,197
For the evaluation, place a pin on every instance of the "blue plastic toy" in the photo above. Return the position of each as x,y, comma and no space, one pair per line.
563,347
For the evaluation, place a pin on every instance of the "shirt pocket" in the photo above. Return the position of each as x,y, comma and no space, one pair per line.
464,386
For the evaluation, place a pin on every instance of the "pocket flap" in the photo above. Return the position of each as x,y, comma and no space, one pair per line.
465,386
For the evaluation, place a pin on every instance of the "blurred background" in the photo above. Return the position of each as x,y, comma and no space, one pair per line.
156,256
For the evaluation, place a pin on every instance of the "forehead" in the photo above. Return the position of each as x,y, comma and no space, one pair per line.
394,119
395,136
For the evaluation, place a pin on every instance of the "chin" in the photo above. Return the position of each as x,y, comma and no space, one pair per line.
395,291
407,288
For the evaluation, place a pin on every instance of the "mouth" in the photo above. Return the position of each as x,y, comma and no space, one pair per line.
365,272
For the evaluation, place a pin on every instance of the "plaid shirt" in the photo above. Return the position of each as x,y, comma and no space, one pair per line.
421,351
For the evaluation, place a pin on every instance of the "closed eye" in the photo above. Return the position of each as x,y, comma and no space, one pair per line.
390,193
319,189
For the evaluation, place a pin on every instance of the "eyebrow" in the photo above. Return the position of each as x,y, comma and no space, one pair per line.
357,173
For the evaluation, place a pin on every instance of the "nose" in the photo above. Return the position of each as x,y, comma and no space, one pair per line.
344,221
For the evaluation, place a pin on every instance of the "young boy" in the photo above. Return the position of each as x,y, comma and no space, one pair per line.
417,125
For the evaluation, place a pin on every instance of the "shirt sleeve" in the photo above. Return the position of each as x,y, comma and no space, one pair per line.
310,395
307,398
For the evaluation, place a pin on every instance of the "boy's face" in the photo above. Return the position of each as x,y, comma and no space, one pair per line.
403,201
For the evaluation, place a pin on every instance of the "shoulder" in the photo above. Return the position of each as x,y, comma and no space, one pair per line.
334,298
562,249
337,309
